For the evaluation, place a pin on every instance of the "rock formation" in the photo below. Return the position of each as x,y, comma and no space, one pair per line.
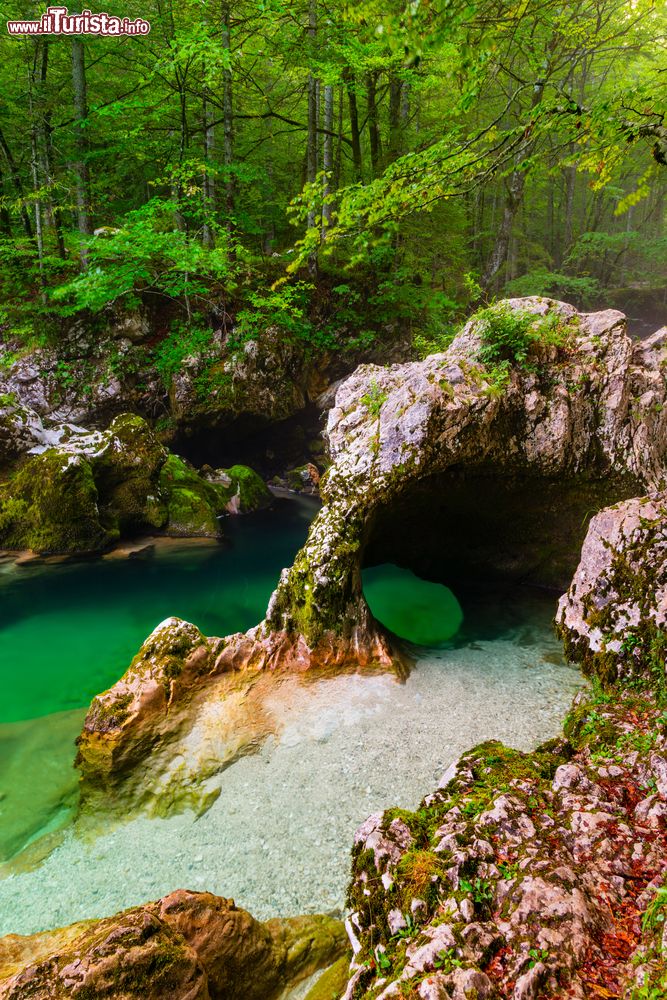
534,418
187,946
614,616
522,875
80,491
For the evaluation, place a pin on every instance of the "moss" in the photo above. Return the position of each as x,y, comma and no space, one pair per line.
246,490
51,506
110,714
193,504
127,473
419,872
331,984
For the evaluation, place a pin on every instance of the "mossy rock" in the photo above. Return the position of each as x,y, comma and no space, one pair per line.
245,492
193,504
331,984
51,506
127,472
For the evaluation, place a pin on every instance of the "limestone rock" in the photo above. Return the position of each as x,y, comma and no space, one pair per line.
614,615
581,423
187,946
80,490
515,910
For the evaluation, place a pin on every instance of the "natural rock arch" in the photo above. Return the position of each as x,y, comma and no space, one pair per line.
583,414
582,423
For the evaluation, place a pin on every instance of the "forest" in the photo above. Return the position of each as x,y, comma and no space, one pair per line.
333,170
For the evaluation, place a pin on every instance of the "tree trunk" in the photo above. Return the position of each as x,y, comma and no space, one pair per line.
48,156
335,182
228,118
81,142
18,184
311,153
5,217
498,255
208,179
514,196
327,156
355,135
373,129
568,222
34,167
311,141
395,91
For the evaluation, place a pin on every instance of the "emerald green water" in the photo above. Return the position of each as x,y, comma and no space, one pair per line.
427,614
69,631
344,747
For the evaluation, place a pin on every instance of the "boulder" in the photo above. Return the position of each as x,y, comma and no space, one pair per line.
193,504
186,946
613,617
240,489
80,491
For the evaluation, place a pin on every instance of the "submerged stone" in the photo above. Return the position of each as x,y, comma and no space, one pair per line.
425,613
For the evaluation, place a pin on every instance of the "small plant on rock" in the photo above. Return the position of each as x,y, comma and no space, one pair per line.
374,399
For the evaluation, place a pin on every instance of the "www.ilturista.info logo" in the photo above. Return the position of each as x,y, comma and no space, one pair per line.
58,21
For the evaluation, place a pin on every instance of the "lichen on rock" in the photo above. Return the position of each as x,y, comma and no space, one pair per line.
511,877
614,616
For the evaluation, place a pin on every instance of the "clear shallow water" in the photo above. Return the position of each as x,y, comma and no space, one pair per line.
69,631
278,837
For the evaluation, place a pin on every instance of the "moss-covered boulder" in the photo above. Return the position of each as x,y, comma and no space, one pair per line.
127,472
241,489
91,488
186,946
193,504
51,505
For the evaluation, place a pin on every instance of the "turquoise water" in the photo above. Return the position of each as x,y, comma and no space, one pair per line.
425,613
69,631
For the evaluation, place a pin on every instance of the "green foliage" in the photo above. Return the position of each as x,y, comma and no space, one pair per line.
509,334
284,306
582,291
537,955
447,961
183,341
480,889
210,217
374,399
148,254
